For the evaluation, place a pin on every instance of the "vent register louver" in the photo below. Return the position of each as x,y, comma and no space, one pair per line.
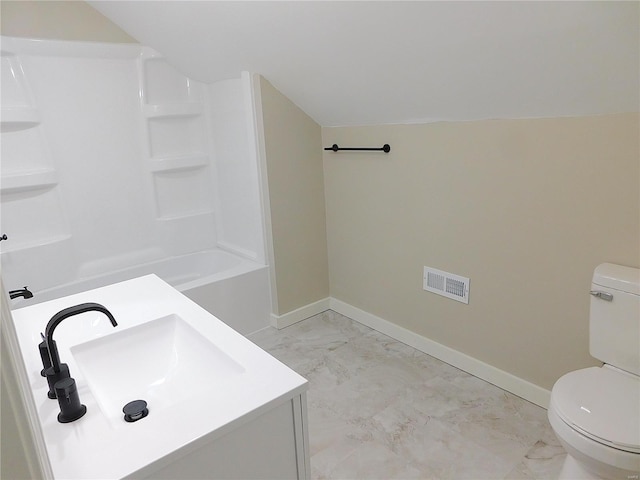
446,284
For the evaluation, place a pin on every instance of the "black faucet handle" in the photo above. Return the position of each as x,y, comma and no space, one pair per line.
70,407
54,377
44,355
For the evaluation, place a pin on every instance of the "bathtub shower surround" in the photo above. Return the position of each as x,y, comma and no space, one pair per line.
112,159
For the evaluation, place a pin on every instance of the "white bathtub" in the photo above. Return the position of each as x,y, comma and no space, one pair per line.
234,289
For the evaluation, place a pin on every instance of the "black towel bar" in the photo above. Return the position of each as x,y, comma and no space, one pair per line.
385,148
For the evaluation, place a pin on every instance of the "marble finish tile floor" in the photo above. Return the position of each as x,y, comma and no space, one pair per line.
379,409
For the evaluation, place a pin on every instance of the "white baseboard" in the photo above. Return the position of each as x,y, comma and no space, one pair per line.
522,388
507,381
295,316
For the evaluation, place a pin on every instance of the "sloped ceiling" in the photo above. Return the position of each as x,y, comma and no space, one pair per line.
376,62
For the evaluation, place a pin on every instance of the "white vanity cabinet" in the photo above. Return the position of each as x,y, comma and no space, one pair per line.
273,445
219,406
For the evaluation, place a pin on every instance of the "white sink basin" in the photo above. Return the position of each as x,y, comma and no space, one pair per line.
165,362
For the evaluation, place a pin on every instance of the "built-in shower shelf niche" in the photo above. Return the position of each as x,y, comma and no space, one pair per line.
193,233
26,151
17,118
182,192
31,213
175,117
19,110
173,110
28,181
176,136
26,162
183,162
163,84
176,217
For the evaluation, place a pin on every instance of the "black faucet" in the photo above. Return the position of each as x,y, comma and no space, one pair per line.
61,385
23,292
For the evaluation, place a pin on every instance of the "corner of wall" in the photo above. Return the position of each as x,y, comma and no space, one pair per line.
255,81
299,314
295,184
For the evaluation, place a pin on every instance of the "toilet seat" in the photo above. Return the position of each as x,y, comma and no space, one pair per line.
602,404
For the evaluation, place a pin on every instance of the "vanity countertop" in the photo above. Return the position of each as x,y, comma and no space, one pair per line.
99,445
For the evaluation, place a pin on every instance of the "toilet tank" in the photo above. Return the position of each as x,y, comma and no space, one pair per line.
614,326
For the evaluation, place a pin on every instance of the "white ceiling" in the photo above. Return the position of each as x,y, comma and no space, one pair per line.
376,62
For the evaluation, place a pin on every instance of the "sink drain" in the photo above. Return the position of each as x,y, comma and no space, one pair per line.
135,410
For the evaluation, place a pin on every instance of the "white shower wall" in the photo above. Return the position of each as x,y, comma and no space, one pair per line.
234,144
111,158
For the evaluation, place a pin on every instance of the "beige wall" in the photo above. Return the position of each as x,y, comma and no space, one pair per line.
59,20
525,208
296,194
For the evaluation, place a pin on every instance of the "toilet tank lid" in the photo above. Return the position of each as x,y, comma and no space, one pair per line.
618,277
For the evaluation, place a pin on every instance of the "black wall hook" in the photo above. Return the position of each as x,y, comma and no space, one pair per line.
385,148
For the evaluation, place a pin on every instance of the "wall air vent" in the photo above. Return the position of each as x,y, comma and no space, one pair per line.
446,284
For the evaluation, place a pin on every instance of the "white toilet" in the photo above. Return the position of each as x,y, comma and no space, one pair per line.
595,412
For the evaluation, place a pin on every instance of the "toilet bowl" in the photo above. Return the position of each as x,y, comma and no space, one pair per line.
595,412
